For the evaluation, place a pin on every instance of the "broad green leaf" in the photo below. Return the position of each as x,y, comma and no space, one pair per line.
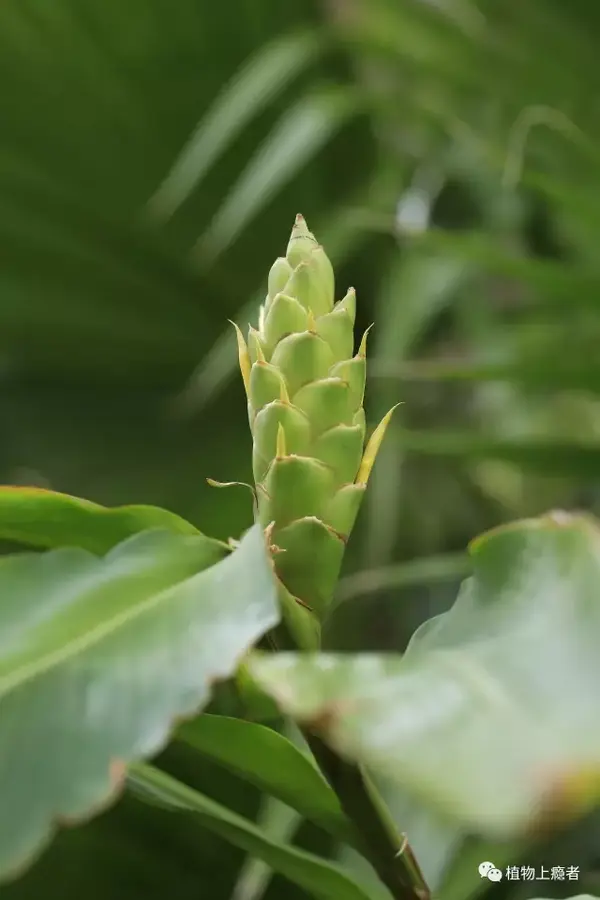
98,657
320,879
491,716
271,762
49,519
266,75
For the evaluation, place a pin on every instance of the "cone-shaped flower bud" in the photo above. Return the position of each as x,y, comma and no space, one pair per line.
305,388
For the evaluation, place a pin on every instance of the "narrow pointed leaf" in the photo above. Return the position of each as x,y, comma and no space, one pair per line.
98,657
274,819
271,762
320,879
255,85
306,127
429,569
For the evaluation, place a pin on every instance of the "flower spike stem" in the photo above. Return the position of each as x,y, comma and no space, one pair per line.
382,845
311,462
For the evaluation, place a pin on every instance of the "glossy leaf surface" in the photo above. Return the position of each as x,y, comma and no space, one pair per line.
98,657
270,761
50,519
491,715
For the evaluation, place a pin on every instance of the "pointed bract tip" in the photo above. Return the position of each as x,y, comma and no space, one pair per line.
301,229
256,345
300,244
243,357
284,397
311,323
372,448
348,304
362,350
281,450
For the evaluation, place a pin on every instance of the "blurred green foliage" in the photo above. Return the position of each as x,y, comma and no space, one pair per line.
151,157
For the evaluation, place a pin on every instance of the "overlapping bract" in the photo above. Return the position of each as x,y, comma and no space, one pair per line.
305,389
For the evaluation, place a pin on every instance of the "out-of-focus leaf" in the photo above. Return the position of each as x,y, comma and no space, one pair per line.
49,519
275,820
270,761
407,574
550,372
461,877
544,456
99,657
417,287
319,878
491,715
253,87
255,705
302,131
433,841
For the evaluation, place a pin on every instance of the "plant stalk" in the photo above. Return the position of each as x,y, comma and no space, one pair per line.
382,845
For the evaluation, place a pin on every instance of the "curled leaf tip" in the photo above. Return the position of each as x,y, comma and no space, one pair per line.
372,448
224,484
281,449
243,357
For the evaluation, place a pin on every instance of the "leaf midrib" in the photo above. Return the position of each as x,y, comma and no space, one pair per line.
76,646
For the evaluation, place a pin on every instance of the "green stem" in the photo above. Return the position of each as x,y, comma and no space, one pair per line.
382,845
